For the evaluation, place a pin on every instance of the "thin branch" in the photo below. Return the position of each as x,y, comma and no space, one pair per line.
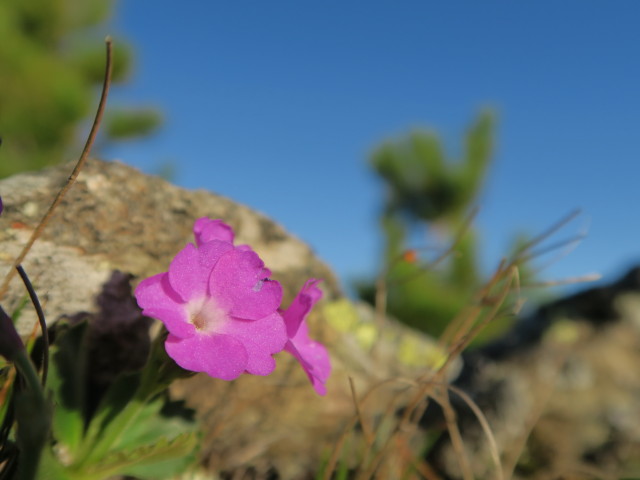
462,231
72,178
450,250
333,459
589,277
493,446
546,234
368,435
567,243
454,434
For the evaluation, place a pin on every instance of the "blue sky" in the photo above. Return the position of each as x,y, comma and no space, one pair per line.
278,105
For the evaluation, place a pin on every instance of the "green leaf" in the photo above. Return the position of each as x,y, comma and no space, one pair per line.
157,419
162,459
160,441
67,373
117,397
33,418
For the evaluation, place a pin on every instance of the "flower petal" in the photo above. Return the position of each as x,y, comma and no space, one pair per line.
158,300
186,276
209,253
301,306
239,282
219,356
261,339
313,357
206,230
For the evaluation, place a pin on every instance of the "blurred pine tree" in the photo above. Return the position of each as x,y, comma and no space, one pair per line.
49,73
428,191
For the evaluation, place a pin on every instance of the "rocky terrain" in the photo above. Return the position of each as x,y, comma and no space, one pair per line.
561,391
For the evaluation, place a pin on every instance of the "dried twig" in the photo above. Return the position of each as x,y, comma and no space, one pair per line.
546,234
454,433
366,431
72,178
493,446
589,277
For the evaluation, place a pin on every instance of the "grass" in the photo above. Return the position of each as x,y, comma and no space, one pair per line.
394,445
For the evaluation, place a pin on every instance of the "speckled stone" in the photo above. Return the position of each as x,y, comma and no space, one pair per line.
116,218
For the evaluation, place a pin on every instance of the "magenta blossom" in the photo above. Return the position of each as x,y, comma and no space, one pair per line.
206,230
219,306
313,356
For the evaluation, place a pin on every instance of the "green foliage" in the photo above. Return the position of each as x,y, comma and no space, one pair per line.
131,432
67,372
127,124
162,458
423,184
33,418
49,77
428,191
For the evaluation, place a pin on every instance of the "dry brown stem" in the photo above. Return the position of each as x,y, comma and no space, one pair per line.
72,178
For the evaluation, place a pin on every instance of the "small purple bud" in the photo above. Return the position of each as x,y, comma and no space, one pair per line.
10,342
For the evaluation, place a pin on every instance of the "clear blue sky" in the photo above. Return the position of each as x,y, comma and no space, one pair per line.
277,104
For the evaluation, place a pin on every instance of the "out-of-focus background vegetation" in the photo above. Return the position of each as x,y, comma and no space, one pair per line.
50,68
422,184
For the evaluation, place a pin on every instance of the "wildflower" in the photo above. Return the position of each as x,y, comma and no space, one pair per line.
313,356
206,230
218,305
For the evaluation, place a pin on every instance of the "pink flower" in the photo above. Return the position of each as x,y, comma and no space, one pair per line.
219,306
206,230
313,356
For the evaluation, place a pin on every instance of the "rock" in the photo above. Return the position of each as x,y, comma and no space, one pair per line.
116,218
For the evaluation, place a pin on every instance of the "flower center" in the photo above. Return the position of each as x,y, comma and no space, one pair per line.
206,315
199,320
